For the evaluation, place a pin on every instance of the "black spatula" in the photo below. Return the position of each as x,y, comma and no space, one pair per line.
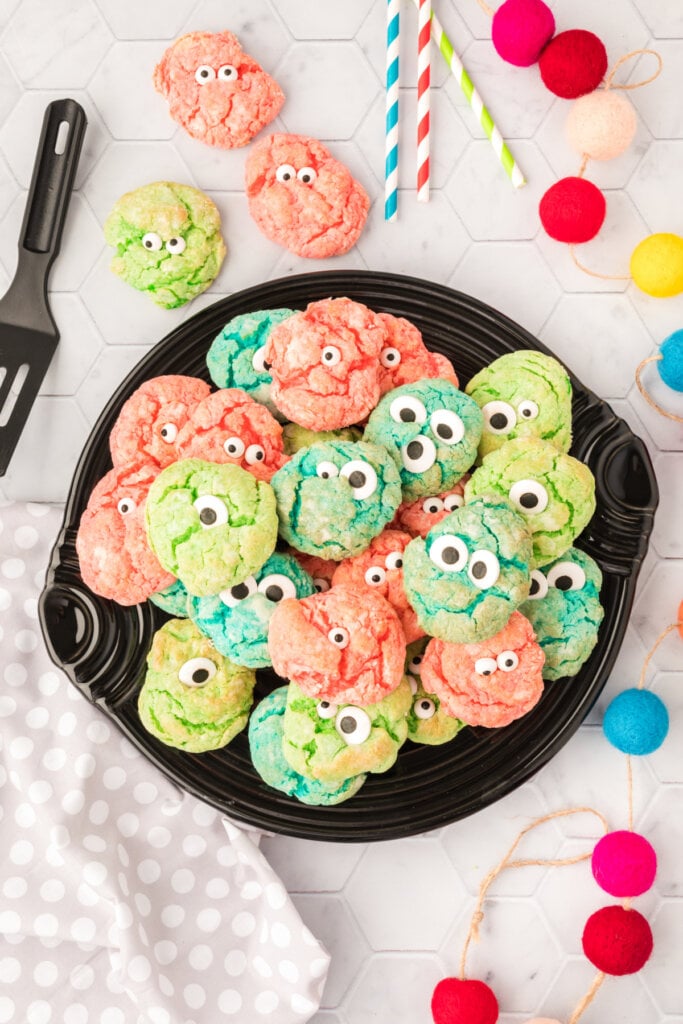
28,333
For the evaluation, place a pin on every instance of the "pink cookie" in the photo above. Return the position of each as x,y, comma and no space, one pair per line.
302,198
324,363
229,426
115,558
345,646
491,683
150,420
321,570
405,358
380,567
418,517
216,91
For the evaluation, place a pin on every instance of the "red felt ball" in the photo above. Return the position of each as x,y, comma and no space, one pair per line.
573,63
624,864
617,941
463,1002
520,29
572,210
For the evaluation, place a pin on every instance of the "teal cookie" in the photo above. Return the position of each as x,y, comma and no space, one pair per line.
172,599
470,573
192,697
235,358
427,721
237,619
265,745
523,394
553,491
214,523
335,496
432,430
565,611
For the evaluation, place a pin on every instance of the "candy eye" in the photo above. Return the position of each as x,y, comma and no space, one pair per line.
330,356
197,672
212,511
449,553
424,708
529,496
484,569
447,426
390,356
307,175
413,684
528,410
432,505
394,560
326,710
259,360
285,172
339,637
321,585
418,455
169,432
240,592
176,245
485,666
353,725
204,74
375,576
126,506
254,454
567,576
415,664
277,586
407,409
227,73
507,661
327,470
499,417
234,447
361,477
539,585
452,501
152,241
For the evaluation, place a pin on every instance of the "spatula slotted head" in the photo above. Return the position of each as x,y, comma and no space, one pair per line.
25,355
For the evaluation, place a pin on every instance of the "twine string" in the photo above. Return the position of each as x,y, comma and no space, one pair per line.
648,398
588,998
595,273
485,8
629,56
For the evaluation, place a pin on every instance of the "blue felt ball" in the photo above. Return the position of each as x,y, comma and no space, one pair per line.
636,722
670,365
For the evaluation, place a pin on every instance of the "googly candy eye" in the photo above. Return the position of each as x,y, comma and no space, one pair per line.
424,708
234,447
326,470
406,409
254,454
418,455
432,505
276,586
240,592
212,511
507,661
353,725
499,417
567,576
125,506
390,356
321,585
197,672
375,576
307,175
415,664
447,426
362,478
449,552
169,432
413,684
330,356
325,709
539,585
453,501
527,410
285,172
339,637
484,569
204,73
259,360
485,666
529,496
228,73
176,245
394,560
152,241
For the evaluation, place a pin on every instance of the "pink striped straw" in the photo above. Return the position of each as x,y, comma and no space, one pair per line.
423,81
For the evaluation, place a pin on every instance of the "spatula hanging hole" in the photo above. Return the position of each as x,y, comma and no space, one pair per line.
62,136
14,392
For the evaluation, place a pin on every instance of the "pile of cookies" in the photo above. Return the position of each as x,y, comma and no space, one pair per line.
400,551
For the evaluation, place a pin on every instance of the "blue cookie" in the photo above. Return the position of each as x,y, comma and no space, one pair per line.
235,359
172,599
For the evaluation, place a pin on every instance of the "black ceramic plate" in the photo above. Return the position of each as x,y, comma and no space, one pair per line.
103,646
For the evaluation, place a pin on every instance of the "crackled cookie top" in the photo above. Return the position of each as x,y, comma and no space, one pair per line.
236,358
428,719
419,516
405,358
147,427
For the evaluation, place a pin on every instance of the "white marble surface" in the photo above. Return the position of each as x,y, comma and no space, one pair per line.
394,915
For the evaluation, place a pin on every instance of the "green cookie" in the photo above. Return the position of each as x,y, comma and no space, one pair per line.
427,723
296,437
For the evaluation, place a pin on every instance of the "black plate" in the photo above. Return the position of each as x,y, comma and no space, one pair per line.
102,646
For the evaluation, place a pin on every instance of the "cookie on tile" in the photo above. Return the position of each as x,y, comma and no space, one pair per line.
418,517
428,722
236,356
405,358
147,427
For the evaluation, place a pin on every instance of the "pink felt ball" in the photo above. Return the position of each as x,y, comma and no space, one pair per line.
572,210
520,29
455,1001
617,941
601,125
624,864
573,63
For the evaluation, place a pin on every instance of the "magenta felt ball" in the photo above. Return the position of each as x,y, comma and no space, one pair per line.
572,210
520,29
573,63
617,941
463,1002
624,864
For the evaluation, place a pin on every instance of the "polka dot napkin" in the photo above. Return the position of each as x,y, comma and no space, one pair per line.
124,900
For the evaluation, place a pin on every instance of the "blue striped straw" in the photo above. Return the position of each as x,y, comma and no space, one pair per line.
391,129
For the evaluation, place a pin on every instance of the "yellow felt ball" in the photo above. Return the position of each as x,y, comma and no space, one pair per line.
601,124
657,265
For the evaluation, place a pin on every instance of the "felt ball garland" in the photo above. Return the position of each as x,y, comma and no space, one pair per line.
669,364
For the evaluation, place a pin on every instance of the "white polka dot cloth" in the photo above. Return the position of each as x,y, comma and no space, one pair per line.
124,900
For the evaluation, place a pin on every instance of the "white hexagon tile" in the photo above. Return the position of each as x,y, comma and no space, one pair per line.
394,916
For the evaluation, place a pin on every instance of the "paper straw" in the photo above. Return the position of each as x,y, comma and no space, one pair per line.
423,82
391,128
475,101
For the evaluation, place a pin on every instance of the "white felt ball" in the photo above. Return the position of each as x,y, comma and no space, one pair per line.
601,124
